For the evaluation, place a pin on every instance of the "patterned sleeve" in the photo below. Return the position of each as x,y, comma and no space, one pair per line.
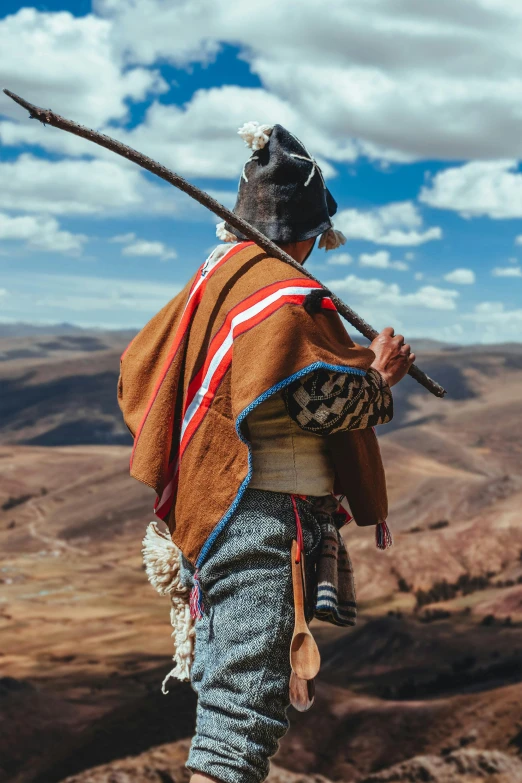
325,402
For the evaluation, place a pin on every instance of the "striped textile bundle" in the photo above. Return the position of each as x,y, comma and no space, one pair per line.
335,598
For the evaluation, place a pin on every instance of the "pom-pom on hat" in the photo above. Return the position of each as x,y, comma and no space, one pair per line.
282,191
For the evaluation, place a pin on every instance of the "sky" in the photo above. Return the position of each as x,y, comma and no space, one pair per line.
413,109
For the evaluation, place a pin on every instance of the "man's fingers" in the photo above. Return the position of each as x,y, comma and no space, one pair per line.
389,331
399,339
406,349
411,358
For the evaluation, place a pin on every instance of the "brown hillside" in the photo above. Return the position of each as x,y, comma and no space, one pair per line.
435,664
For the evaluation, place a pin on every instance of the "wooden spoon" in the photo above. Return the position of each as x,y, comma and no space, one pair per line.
305,659
302,693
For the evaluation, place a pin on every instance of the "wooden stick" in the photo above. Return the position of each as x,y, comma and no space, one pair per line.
48,117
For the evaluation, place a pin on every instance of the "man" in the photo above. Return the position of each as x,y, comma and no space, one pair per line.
250,407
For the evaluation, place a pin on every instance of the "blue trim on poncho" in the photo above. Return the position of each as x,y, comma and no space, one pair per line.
239,421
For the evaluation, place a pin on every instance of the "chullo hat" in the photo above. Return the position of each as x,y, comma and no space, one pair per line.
282,191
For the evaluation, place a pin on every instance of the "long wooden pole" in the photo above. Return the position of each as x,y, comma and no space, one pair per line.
48,117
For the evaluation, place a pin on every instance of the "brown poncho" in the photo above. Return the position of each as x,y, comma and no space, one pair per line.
236,334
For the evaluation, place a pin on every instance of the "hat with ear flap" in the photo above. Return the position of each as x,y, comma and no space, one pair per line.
282,191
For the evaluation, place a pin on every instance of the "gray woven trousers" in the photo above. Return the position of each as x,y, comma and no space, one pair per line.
241,669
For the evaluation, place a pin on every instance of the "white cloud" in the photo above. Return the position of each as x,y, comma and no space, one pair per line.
507,271
518,240
339,259
397,76
489,308
492,323
492,189
418,276
407,79
84,187
186,140
393,224
382,293
381,260
84,300
142,247
71,64
40,233
460,276
123,238
200,138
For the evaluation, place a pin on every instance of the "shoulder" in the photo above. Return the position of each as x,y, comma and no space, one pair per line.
248,265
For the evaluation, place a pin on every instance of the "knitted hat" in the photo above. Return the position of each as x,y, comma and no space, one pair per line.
282,191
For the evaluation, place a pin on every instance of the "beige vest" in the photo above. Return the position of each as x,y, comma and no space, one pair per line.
285,458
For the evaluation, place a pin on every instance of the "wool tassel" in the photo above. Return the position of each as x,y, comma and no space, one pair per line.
162,560
255,135
331,239
223,234
314,300
383,536
196,599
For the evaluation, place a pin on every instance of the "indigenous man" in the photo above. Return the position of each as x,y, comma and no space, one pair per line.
252,413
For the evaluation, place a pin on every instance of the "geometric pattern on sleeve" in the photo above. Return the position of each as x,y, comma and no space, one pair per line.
324,402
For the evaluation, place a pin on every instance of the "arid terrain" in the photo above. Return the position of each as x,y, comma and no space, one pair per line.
427,687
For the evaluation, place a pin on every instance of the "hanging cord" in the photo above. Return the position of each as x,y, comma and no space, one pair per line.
299,529
383,536
196,598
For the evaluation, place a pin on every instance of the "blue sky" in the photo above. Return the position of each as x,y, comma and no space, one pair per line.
414,111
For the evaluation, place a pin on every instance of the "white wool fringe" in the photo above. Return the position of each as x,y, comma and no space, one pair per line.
161,558
223,234
332,239
216,255
255,135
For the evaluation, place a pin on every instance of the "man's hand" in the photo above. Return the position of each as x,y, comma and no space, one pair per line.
393,358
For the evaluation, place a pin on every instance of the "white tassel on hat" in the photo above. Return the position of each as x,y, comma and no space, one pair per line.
223,234
255,135
332,239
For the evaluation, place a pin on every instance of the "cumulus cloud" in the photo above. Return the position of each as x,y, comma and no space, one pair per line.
493,323
381,260
84,187
178,136
399,223
460,276
406,79
492,189
85,300
507,271
40,233
143,247
71,64
382,293
339,259
123,238
401,87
